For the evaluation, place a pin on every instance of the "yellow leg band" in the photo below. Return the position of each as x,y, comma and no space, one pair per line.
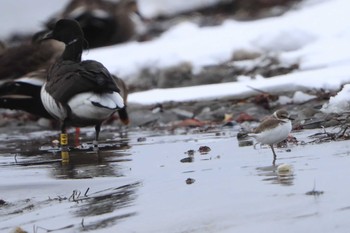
64,139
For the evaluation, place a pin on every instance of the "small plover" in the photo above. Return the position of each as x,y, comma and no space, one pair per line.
274,129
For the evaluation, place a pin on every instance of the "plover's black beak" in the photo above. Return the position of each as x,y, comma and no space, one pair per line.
291,118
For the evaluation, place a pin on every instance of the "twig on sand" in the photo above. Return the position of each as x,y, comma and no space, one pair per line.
314,192
75,196
327,136
87,190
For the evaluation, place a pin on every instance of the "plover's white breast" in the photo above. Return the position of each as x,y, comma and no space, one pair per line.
274,135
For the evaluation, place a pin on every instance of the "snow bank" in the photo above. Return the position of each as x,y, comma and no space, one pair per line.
296,37
339,103
332,78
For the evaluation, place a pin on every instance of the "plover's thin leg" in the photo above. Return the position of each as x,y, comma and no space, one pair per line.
274,155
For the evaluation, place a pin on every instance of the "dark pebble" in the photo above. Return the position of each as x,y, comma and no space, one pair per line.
141,139
190,181
204,149
187,160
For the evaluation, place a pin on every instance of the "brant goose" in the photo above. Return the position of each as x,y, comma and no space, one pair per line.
24,94
78,93
104,22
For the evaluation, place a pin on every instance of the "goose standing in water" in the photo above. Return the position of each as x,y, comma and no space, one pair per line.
78,93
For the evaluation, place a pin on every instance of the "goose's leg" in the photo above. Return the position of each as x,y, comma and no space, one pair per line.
95,142
63,127
63,136
64,144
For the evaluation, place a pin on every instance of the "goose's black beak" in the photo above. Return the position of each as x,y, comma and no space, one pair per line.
47,35
42,35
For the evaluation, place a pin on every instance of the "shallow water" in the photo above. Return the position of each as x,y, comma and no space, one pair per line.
146,181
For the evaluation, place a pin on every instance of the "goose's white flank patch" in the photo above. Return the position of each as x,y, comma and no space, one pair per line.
51,105
95,106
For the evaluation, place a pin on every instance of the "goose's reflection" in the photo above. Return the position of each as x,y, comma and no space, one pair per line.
109,201
89,164
83,161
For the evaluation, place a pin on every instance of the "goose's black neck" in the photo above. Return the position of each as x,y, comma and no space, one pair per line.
73,50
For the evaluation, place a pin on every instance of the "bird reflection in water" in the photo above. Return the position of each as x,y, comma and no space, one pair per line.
282,174
87,164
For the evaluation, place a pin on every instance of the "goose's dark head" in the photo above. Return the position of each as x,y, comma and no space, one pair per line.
66,30
70,33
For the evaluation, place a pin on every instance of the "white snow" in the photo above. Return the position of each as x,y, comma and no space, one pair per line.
338,103
315,35
298,97
326,78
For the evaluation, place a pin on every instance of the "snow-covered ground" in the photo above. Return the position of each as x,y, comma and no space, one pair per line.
315,35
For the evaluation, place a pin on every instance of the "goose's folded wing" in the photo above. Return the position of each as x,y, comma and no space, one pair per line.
68,80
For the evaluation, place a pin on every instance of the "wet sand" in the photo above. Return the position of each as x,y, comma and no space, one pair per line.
159,181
